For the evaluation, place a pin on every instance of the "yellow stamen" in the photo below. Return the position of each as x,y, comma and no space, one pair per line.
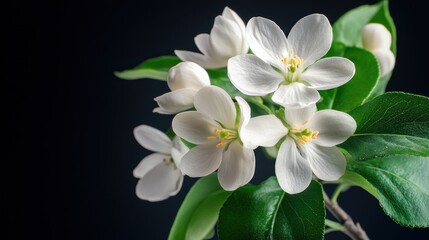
315,134
221,144
305,136
211,138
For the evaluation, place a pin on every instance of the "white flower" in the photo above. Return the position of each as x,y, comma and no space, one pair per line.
377,39
216,129
309,145
225,40
159,173
184,80
289,67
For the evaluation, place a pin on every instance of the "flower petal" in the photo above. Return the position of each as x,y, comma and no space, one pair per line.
297,117
327,163
158,184
386,59
292,170
334,127
237,167
231,15
376,36
187,75
152,139
201,160
267,41
245,112
194,126
295,95
217,104
225,37
178,150
252,76
329,73
175,101
200,59
263,131
148,163
311,38
203,44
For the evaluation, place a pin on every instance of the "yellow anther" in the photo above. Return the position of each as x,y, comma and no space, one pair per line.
228,137
211,138
305,136
314,134
221,144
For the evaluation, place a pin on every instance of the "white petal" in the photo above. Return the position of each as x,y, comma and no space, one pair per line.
329,73
178,150
152,139
386,59
267,41
194,126
297,117
148,163
334,127
175,101
292,170
237,167
327,163
252,76
201,160
158,184
217,104
200,59
263,131
311,38
203,44
295,95
231,15
245,112
376,36
225,37
187,75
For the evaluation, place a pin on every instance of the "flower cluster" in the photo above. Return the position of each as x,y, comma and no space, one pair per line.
223,130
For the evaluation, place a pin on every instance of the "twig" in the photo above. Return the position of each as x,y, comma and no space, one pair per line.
354,231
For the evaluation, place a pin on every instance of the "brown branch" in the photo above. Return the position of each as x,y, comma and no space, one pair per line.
354,231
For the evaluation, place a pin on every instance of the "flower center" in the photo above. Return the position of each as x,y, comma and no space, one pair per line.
223,136
292,62
304,136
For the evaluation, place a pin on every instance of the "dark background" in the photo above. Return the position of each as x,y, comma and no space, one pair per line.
69,168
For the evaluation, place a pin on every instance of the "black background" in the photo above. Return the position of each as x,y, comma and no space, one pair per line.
69,168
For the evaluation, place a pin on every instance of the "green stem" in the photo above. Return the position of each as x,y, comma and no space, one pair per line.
337,192
334,226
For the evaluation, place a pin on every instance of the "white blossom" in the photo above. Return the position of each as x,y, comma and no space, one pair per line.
216,128
289,67
377,39
226,39
309,144
159,174
184,80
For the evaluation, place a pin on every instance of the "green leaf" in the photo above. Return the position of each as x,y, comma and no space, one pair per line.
154,68
390,155
394,113
267,212
348,28
199,211
359,88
